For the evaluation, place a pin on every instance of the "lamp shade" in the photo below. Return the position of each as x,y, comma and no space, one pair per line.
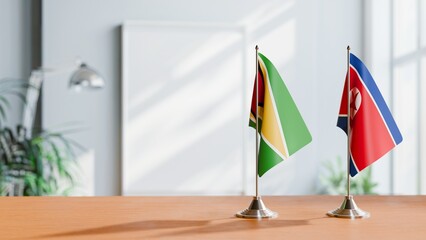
86,77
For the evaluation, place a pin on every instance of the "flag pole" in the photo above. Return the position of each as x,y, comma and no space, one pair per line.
257,122
257,208
348,90
348,209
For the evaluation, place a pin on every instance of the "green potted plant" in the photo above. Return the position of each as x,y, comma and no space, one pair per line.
32,165
333,180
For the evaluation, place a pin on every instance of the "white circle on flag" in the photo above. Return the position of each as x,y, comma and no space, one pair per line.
355,101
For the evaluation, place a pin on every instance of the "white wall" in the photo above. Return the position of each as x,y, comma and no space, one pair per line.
305,39
15,48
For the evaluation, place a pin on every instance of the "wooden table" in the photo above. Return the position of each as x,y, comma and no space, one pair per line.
300,217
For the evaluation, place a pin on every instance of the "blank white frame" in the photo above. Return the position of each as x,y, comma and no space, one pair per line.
130,26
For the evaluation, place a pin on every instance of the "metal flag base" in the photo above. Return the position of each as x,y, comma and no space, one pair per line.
349,209
257,209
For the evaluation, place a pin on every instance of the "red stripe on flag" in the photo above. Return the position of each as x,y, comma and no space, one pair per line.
344,102
261,92
370,138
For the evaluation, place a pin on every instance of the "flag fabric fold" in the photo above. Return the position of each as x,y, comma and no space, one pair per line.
372,131
281,126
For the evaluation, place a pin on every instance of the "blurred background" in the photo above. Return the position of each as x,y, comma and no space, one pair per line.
172,117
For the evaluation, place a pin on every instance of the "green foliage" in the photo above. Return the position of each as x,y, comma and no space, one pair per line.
335,177
35,166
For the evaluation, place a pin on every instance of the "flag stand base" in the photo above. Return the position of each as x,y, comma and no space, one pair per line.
349,209
257,209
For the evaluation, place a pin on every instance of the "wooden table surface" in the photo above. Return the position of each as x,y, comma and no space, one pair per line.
300,217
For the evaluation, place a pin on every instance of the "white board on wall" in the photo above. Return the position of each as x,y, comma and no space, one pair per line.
183,110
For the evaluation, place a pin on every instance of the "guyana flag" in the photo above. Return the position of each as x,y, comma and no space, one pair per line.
281,127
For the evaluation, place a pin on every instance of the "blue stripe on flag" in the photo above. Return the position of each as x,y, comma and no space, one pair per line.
353,170
342,122
377,96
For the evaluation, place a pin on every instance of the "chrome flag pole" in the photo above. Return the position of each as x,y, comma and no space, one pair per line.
257,122
348,209
257,208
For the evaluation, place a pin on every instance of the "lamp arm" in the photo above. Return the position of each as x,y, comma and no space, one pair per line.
33,94
83,76
32,97
50,70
